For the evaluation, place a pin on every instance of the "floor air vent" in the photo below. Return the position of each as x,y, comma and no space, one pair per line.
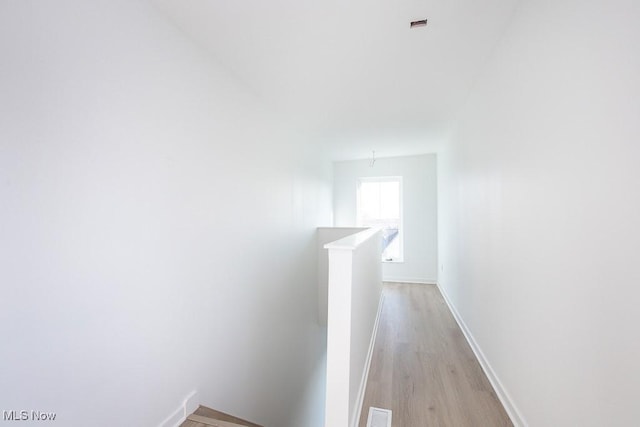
379,417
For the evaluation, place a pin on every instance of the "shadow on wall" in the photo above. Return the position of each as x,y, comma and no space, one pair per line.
291,391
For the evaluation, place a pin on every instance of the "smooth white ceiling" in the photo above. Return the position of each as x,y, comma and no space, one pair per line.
351,73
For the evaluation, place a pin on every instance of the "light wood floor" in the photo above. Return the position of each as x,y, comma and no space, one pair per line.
423,368
208,412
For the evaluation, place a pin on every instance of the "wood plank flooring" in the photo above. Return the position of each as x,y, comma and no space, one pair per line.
423,368
211,413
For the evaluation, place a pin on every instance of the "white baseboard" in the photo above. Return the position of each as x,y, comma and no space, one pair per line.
410,280
174,420
191,403
365,374
514,414
177,417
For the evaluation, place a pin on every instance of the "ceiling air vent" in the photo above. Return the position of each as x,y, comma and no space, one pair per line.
420,23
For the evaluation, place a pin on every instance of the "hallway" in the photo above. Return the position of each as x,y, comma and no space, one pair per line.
422,367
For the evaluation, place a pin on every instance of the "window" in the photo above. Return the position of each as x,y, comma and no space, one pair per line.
380,205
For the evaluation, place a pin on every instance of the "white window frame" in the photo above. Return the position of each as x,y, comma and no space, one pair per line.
398,179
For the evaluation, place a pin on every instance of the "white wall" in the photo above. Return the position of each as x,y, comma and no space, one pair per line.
419,210
155,227
539,206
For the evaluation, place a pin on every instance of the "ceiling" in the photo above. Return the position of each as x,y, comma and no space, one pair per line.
352,73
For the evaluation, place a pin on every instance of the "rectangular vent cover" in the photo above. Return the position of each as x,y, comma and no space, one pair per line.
420,23
379,417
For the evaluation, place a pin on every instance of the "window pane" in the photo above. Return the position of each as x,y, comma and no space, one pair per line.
390,199
379,206
392,251
369,200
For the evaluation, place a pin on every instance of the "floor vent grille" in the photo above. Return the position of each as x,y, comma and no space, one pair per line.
379,417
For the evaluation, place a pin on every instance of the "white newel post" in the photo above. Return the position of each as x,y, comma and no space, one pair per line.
355,287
